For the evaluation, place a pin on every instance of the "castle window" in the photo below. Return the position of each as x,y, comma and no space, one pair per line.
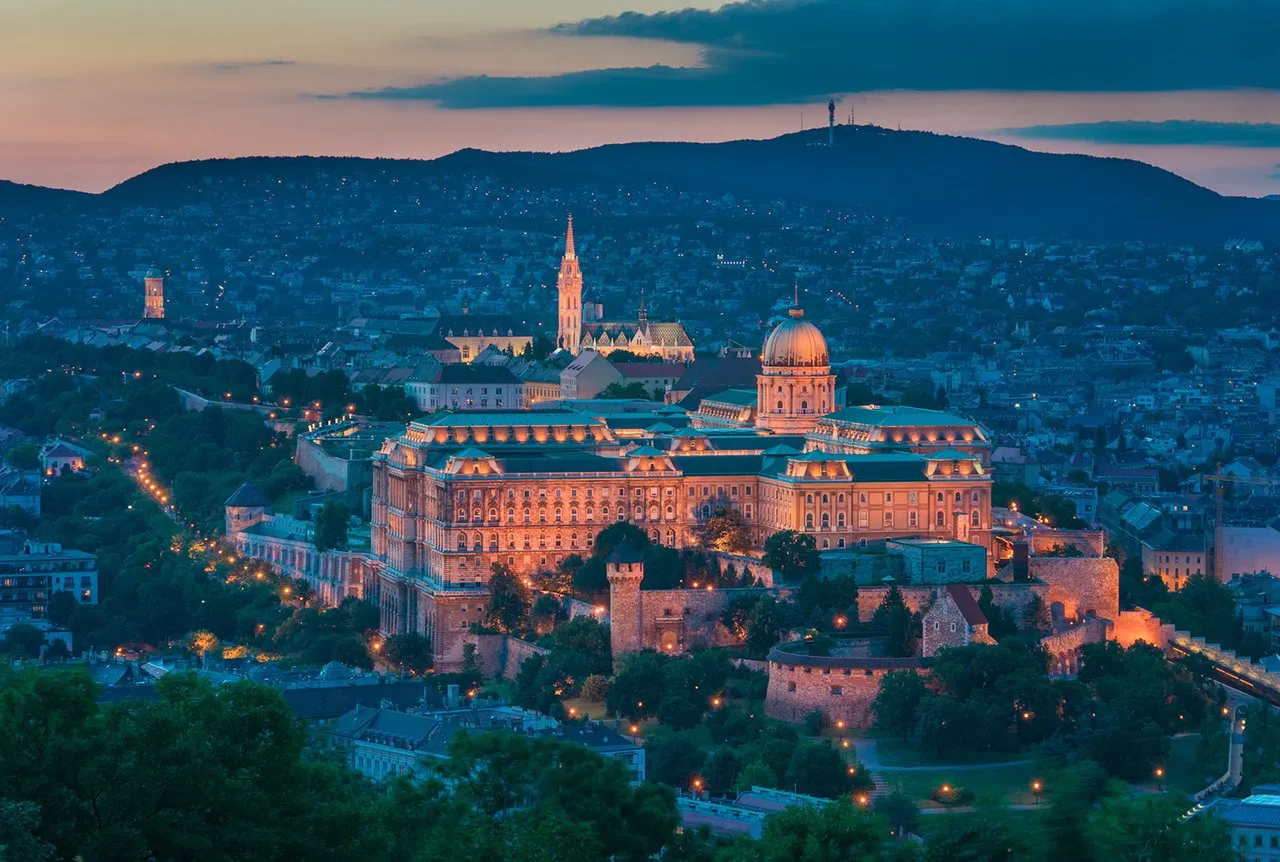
826,521
953,627
839,543
809,499
966,566
791,686
941,499
959,497
888,519
836,690
936,625
840,520
941,519
913,518
840,499
888,496
779,405
976,496
975,518
826,543
808,521
826,498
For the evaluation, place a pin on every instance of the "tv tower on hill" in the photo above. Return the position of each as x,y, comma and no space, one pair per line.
831,123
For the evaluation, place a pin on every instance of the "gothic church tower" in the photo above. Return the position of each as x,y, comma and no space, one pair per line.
569,286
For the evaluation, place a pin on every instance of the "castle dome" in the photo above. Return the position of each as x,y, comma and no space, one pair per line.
795,343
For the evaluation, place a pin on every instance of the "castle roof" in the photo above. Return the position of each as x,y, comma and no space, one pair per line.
625,552
796,343
248,496
969,609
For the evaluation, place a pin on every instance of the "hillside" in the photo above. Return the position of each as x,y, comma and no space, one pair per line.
955,186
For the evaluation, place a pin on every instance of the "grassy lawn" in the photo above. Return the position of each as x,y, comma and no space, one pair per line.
1181,772
996,786
894,752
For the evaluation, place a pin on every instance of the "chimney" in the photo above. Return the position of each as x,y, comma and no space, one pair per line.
451,699
1021,560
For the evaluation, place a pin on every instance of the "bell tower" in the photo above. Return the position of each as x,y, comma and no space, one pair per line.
153,282
569,288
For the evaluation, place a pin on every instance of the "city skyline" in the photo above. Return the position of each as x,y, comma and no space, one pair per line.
97,95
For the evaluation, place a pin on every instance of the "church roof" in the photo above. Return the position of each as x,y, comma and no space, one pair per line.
659,333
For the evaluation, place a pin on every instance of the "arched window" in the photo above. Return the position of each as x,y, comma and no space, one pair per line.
941,499
976,496
573,540
840,499
671,538
511,541
477,514
975,518
779,405
511,514
888,519
808,520
826,498
809,499
526,541
941,519
959,497
493,514
604,511
573,514
462,515
462,541
840,520
804,405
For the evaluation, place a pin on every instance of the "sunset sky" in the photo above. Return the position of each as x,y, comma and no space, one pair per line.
94,91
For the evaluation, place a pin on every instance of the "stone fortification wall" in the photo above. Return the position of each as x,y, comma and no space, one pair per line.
501,655
676,620
329,473
1011,597
841,687
1091,543
1081,584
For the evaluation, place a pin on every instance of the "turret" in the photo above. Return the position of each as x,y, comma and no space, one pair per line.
625,569
569,289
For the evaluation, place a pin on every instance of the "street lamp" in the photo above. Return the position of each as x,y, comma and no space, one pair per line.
1036,786
1160,778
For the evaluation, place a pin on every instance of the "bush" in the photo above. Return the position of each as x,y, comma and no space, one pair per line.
816,722
595,688
951,794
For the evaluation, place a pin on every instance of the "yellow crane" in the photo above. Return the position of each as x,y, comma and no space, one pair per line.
1220,481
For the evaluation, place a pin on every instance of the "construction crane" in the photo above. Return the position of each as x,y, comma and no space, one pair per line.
1220,481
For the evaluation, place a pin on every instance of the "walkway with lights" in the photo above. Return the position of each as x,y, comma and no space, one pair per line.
869,756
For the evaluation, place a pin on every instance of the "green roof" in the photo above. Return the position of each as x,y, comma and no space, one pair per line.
646,451
498,418
897,416
471,453
661,428
951,455
736,397
672,409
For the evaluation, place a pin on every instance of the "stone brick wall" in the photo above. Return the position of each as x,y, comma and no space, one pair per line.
1140,625
1081,584
1012,597
1091,543
841,688
502,655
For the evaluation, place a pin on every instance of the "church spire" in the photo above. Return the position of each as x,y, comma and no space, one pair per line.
569,251
643,316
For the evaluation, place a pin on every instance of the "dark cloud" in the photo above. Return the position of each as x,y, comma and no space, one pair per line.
232,68
1162,133
788,51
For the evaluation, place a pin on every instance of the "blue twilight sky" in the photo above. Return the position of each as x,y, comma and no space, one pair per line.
92,91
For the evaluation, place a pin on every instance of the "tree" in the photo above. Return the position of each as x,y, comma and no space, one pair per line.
755,774
24,456
979,837
62,604
411,652
721,770
792,555
726,530
833,833
595,688
508,607
900,810
22,641
894,618
818,769
331,526
681,711
638,686
673,759
898,702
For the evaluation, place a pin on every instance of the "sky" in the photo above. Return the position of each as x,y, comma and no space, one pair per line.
95,91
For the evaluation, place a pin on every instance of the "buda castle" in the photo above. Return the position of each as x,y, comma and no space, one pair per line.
456,493
580,329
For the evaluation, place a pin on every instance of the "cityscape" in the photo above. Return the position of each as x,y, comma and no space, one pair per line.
841,493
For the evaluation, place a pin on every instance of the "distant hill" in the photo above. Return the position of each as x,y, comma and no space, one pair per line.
18,198
949,185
